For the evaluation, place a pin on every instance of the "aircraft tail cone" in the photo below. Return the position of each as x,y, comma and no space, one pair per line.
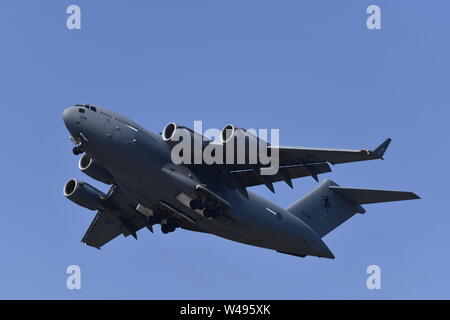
320,248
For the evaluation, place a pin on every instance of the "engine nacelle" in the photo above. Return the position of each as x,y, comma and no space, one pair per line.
230,132
169,131
84,194
94,170
173,134
244,144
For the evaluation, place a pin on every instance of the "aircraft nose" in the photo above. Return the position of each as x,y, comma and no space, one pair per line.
66,114
69,119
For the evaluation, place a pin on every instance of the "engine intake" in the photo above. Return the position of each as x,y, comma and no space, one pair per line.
169,131
84,194
173,134
94,170
227,133
245,146
230,132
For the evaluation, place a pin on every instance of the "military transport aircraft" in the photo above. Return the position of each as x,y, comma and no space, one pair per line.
147,188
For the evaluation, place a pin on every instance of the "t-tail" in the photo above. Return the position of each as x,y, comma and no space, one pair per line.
329,205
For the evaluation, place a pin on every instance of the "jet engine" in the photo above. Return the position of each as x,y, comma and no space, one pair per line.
172,133
230,132
243,144
94,170
84,194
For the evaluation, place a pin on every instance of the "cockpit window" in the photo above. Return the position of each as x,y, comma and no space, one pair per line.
80,110
93,108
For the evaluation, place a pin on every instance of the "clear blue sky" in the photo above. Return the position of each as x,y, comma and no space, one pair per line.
310,68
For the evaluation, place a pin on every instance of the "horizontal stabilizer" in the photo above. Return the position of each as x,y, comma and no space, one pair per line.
329,205
365,196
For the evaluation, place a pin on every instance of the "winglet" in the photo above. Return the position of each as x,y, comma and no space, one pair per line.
381,149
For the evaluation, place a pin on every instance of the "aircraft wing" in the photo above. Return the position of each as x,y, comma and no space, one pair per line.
296,162
122,218
295,155
107,226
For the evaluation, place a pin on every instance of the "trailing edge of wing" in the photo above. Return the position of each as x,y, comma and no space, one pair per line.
249,178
